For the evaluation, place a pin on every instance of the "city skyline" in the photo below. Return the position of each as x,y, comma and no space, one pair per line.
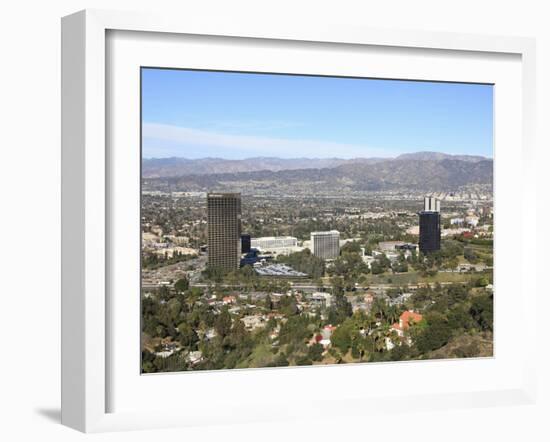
269,115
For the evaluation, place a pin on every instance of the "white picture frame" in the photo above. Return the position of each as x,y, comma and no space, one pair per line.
86,206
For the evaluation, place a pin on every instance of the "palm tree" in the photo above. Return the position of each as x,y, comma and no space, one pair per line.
379,308
370,323
380,341
380,336
392,314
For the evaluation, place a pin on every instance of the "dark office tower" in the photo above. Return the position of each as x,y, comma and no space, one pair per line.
224,230
245,243
430,226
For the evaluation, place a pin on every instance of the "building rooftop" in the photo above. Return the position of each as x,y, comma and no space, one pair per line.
329,232
279,270
223,195
273,237
409,317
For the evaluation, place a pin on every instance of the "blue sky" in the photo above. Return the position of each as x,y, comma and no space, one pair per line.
197,114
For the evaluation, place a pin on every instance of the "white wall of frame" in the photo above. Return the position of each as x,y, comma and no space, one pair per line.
297,389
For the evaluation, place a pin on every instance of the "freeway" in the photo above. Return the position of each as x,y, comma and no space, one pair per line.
295,286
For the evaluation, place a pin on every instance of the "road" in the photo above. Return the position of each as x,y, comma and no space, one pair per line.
303,287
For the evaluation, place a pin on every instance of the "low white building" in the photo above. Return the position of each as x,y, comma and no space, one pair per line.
321,299
194,357
326,334
253,322
170,251
390,246
452,232
472,220
273,243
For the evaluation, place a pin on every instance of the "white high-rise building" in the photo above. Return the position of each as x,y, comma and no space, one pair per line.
431,204
325,245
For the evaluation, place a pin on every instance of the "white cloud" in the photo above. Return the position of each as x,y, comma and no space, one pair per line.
226,145
262,126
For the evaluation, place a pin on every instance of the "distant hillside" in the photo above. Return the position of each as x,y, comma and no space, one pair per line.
177,167
380,175
174,167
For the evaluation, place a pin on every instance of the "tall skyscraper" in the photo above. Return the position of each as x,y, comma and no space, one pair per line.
245,243
224,230
325,245
430,226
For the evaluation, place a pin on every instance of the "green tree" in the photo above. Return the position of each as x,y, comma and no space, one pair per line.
341,337
304,262
482,282
460,319
187,335
281,361
340,310
376,268
294,330
222,324
482,311
380,309
315,352
434,335
351,247
337,285
288,306
181,285
457,293
470,255
174,309
238,334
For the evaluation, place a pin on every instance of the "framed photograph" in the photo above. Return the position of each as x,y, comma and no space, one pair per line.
275,220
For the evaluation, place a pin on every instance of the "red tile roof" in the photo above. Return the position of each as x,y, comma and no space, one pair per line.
409,317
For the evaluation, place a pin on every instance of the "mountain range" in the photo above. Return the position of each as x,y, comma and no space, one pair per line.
422,171
176,166
173,167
